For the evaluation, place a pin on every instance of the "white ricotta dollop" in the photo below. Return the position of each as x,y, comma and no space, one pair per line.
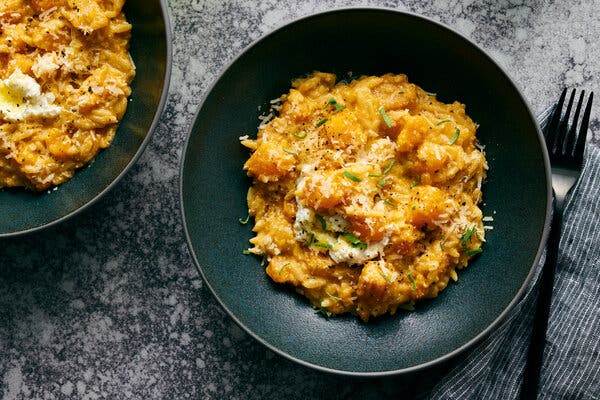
343,251
307,224
21,98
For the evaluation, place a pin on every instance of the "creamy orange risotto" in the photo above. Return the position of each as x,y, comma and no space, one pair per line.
64,81
365,194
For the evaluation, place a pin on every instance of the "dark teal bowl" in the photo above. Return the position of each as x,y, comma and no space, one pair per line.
150,48
366,41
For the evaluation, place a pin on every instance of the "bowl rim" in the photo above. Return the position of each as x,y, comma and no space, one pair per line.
480,336
140,150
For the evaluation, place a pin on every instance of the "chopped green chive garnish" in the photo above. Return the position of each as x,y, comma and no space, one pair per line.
321,122
467,236
442,241
388,202
290,151
322,221
385,171
415,182
351,238
413,285
322,311
332,296
351,176
384,276
334,102
454,137
442,122
324,245
246,251
473,252
389,167
385,117
354,241
299,135
244,221
381,182
282,267
311,239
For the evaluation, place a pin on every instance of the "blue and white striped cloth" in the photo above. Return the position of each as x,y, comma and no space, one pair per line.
571,367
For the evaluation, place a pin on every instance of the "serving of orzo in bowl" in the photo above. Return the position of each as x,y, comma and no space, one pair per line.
82,85
365,192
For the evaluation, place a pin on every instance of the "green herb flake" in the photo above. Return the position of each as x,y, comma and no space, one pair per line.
354,241
332,296
456,133
324,312
381,183
389,167
351,238
299,135
321,122
324,245
466,237
384,276
290,151
442,241
473,251
351,176
246,251
385,171
385,117
322,221
388,202
282,267
311,239
244,221
442,122
334,102
413,285
415,182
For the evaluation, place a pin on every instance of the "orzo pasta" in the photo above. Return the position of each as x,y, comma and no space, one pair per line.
365,194
65,72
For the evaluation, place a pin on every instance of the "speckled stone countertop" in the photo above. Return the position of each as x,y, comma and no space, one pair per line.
110,305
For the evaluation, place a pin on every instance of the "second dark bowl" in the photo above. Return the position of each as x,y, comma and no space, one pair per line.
23,211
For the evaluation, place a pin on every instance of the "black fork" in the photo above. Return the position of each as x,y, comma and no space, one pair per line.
565,137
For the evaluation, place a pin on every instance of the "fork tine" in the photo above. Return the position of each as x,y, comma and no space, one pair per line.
583,130
550,129
572,134
558,145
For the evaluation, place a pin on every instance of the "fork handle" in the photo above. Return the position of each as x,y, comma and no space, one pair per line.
535,355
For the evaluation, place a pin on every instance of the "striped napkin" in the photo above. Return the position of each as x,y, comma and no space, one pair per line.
571,366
